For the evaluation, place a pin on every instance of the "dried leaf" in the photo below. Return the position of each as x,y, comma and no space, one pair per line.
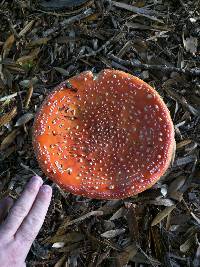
176,184
110,206
58,245
162,215
24,119
128,253
8,45
29,58
60,262
6,118
188,244
190,44
185,160
132,219
162,202
7,153
197,257
71,237
113,233
62,71
183,144
158,242
82,218
8,139
40,41
118,214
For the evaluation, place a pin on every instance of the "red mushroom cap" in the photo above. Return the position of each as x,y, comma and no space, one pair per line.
107,137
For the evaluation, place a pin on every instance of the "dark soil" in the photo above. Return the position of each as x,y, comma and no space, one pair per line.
155,40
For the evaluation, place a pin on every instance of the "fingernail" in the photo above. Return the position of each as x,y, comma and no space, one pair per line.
46,189
36,180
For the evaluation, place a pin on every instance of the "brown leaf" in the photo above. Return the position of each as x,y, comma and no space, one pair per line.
7,153
127,254
89,214
176,184
132,219
183,143
162,215
71,237
6,118
8,45
8,139
40,41
60,262
29,58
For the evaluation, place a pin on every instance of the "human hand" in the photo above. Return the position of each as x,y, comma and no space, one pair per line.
23,222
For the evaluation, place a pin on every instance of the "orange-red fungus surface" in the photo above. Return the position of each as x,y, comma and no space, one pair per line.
108,136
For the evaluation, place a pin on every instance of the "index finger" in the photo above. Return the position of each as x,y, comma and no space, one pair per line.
21,208
31,225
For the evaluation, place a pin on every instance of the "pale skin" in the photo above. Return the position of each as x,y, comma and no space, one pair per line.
23,222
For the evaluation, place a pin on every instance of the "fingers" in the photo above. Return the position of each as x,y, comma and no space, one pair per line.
21,208
5,205
30,227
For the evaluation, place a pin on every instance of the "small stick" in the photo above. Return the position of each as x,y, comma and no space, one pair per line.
164,68
68,21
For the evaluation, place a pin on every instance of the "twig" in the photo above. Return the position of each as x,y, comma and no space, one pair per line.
140,11
164,68
27,168
68,21
8,97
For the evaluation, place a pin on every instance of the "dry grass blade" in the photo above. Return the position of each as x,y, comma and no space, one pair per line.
162,215
6,118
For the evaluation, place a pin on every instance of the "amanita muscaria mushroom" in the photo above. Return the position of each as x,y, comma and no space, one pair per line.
108,136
